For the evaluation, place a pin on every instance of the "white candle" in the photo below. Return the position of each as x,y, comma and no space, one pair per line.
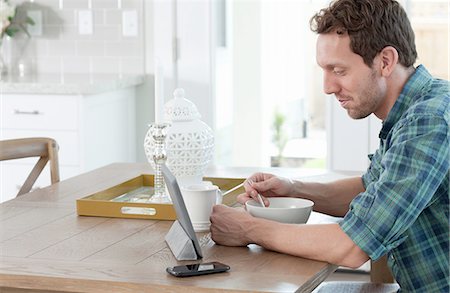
159,93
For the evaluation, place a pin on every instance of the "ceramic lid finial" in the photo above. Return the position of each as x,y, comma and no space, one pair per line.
179,108
178,93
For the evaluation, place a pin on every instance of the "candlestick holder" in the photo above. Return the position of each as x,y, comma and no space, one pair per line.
155,150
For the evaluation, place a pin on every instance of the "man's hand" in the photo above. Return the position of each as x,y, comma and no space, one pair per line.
229,226
267,185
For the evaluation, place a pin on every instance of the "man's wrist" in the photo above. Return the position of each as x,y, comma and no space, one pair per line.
257,231
297,188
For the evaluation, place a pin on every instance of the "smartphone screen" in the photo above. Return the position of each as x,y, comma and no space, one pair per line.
198,269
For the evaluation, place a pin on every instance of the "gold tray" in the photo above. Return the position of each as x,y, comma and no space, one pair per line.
110,202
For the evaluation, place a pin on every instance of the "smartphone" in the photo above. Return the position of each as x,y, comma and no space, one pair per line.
198,269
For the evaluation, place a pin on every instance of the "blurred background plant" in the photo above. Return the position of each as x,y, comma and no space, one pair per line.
12,22
279,137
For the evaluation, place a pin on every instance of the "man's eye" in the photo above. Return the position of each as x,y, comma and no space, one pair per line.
338,72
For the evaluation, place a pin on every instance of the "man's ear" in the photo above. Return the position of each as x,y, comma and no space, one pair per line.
389,60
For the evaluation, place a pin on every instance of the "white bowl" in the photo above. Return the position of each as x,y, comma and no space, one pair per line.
282,209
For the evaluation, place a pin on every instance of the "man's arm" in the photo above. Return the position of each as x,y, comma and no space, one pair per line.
326,242
330,198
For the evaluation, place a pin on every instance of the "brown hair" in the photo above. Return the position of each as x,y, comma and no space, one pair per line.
371,25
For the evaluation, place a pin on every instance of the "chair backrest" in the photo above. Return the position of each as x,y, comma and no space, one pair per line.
44,148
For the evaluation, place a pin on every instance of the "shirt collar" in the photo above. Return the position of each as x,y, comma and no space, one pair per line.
412,88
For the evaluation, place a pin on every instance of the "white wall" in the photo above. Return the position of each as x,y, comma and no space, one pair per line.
62,49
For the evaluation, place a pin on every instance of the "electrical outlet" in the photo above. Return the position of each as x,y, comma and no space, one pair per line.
129,23
36,16
85,22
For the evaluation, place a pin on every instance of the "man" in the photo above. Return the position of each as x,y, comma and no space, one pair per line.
400,206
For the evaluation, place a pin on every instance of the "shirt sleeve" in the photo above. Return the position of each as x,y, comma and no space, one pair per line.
399,185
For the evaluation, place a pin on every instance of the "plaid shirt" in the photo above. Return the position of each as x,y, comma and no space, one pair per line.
404,210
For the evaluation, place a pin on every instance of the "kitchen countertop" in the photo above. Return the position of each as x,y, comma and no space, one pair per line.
68,83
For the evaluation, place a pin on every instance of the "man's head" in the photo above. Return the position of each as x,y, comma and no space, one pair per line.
366,50
371,26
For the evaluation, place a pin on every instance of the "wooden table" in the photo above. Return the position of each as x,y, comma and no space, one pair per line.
45,246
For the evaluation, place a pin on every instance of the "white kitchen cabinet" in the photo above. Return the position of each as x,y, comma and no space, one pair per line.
92,130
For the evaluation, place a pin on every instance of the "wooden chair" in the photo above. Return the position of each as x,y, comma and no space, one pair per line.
44,148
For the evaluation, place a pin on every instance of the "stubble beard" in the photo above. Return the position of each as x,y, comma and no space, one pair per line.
369,99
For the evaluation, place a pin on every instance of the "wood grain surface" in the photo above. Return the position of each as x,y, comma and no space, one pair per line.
46,247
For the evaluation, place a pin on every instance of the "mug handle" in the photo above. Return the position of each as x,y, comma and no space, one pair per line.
219,196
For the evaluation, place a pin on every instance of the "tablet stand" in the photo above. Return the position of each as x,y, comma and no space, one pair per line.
180,243
181,237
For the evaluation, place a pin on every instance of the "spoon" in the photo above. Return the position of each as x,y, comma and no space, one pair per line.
260,200
233,189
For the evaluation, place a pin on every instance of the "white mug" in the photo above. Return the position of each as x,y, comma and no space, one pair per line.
199,200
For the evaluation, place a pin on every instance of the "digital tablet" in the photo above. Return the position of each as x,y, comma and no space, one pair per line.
180,207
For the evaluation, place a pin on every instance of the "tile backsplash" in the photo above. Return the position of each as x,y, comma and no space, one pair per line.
64,48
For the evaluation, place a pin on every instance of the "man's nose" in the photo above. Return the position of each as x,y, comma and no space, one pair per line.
330,85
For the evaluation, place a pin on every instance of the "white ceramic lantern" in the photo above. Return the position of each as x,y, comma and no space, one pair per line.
189,141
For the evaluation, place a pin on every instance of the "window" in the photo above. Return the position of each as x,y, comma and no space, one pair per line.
265,73
270,109
430,21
